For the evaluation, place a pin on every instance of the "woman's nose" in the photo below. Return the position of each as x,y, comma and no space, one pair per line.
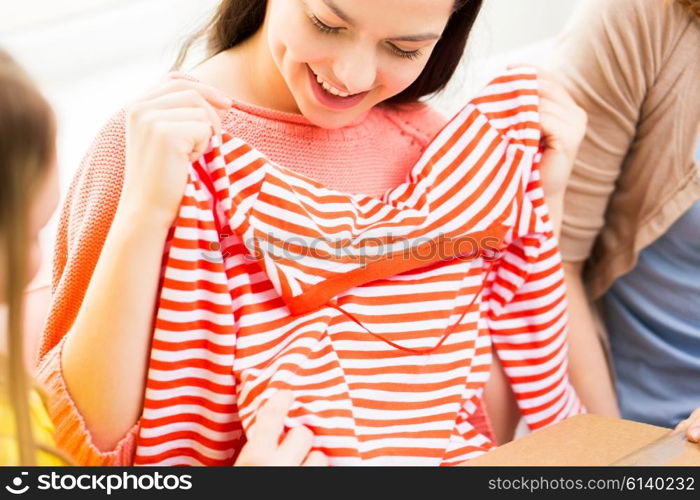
357,70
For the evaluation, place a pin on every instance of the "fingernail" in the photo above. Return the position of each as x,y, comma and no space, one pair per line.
694,433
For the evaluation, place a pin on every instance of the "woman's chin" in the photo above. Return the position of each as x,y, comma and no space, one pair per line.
327,118
330,124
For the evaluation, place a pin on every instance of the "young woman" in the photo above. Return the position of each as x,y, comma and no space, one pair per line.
327,88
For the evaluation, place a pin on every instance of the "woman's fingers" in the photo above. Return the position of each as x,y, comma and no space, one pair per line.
177,115
269,423
182,137
214,96
693,433
186,98
554,91
692,426
563,125
316,459
295,445
264,446
198,137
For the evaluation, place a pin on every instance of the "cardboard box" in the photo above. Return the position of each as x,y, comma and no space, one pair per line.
588,440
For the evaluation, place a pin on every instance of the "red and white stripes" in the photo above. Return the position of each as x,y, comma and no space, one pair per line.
380,314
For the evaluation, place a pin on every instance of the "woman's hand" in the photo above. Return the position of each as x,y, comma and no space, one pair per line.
691,426
166,131
563,128
563,125
267,446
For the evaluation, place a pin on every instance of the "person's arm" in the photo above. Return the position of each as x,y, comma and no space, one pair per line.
105,355
501,406
588,367
70,431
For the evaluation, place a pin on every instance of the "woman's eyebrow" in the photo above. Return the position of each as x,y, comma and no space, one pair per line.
336,10
415,38
409,38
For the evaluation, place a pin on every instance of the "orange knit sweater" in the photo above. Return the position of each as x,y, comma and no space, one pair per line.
369,156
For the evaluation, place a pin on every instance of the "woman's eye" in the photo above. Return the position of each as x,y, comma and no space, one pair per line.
323,27
407,54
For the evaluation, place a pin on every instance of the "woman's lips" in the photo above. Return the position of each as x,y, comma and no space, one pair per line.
329,100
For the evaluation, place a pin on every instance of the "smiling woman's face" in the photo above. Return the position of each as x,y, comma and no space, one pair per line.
362,51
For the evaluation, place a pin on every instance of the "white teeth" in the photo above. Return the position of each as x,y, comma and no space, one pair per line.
330,89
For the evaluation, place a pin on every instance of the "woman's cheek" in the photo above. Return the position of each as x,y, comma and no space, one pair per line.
301,48
398,76
291,35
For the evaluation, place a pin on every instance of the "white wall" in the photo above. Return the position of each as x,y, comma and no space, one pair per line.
92,56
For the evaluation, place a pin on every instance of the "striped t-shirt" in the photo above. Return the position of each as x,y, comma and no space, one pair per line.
380,314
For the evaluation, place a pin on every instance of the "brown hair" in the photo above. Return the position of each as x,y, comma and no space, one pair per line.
692,5
236,20
27,146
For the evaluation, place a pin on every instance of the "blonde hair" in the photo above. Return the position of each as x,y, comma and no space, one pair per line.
27,146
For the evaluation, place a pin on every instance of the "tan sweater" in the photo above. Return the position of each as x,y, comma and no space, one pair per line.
634,65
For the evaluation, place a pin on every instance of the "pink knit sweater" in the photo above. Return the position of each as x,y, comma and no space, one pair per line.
369,156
